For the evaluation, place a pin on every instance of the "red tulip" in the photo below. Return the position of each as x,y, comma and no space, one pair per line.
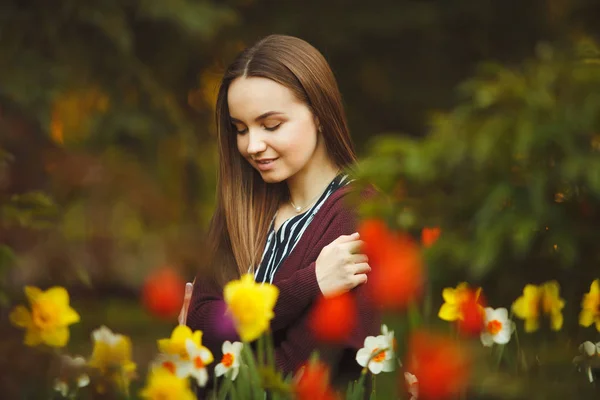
439,364
162,293
397,272
333,318
313,383
430,235
471,322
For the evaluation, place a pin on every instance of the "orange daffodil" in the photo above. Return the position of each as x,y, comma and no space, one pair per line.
540,299
230,361
590,307
251,305
49,318
183,355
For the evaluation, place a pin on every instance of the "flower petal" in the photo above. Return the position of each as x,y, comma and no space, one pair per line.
371,342
375,367
21,317
32,337
588,348
58,295
503,336
57,337
501,314
556,320
531,325
234,373
486,339
449,295
220,369
236,348
586,318
69,316
32,293
448,312
83,380
226,347
362,356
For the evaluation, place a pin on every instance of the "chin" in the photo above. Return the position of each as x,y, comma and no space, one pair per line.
273,176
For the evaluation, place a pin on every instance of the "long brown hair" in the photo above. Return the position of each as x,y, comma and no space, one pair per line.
245,203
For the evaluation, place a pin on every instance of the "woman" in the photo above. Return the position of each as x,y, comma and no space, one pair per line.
280,214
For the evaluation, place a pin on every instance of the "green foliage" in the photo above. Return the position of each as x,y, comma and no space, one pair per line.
511,174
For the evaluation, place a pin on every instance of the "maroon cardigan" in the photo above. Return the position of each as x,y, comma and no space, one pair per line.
298,289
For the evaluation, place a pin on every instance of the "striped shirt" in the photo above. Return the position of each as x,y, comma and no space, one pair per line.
280,243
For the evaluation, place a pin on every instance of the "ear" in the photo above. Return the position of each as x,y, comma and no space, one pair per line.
318,124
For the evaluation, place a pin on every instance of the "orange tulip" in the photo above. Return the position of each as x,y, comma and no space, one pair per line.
430,235
313,383
397,272
333,318
439,364
162,293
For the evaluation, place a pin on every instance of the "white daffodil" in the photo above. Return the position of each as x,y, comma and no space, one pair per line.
589,353
105,335
230,360
377,354
71,370
590,349
200,357
497,327
389,335
174,364
413,385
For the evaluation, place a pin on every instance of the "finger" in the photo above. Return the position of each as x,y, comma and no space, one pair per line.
361,268
359,279
353,247
359,258
189,288
346,238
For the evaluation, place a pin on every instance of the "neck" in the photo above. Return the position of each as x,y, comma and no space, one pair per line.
310,182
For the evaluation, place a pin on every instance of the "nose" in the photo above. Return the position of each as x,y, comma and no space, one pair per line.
256,143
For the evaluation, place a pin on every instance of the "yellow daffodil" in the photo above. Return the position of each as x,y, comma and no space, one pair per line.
49,318
537,300
112,356
251,305
454,298
163,385
590,307
176,343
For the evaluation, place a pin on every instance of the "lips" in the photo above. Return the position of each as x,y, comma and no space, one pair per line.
265,160
265,164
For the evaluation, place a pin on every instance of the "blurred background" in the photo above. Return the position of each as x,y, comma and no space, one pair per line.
107,140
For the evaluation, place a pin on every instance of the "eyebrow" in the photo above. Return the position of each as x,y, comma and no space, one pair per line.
260,117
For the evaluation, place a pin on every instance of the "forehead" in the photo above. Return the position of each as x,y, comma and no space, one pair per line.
249,97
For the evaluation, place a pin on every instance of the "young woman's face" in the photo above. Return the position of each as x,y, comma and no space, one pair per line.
276,132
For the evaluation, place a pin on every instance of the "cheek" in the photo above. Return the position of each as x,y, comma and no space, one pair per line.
301,140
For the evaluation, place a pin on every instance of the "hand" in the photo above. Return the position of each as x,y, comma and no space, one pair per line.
340,267
187,297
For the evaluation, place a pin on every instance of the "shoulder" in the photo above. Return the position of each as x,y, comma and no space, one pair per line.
347,198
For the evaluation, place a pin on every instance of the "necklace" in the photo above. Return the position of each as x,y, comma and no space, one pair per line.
298,209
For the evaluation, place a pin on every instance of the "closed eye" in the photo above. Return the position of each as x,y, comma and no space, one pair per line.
272,128
239,131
